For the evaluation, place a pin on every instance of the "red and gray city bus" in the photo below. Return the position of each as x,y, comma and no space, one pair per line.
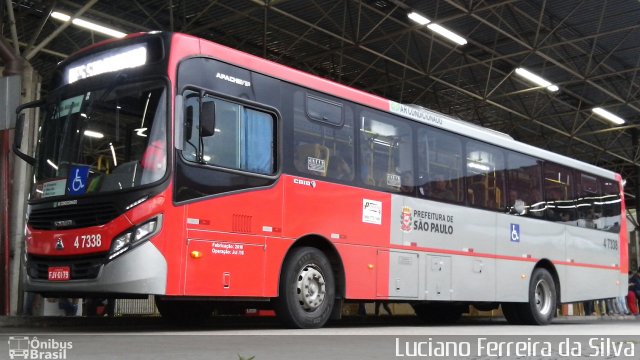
172,166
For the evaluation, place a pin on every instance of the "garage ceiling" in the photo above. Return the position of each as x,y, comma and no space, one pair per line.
589,48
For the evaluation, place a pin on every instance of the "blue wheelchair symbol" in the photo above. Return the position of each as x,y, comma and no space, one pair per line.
77,180
515,232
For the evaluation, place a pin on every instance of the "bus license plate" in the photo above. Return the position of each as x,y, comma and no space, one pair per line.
59,273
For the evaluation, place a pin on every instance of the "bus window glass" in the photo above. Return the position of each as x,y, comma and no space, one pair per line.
191,113
586,198
324,110
611,208
321,148
386,153
524,174
108,139
243,137
439,165
558,192
485,176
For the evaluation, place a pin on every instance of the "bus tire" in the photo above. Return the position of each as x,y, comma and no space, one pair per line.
435,313
307,289
183,311
541,307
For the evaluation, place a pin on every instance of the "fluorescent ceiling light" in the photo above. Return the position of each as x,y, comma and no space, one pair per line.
447,34
113,153
477,166
609,116
418,18
536,79
93,134
51,163
60,16
88,25
553,88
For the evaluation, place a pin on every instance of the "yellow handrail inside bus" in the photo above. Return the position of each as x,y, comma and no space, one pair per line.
103,161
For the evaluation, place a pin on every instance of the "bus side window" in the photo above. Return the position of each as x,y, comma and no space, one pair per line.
386,151
587,192
485,167
244,138
558,191
312,159
610,205
524,174
191,124
323,143
439,165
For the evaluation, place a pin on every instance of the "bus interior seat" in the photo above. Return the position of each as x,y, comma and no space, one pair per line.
312,159
387,181
479,194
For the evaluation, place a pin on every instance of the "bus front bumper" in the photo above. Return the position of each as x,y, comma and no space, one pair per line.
142,270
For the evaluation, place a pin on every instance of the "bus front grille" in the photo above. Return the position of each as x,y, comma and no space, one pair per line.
72,217
81,267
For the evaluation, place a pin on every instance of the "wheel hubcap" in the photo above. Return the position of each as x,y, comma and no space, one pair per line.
543,297
311,288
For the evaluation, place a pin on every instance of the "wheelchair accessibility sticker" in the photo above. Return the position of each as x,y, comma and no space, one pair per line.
515,233
77,180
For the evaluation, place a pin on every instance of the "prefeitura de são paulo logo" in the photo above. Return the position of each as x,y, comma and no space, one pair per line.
25,347
405,219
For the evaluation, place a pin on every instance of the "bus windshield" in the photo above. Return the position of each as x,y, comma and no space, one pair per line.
107,139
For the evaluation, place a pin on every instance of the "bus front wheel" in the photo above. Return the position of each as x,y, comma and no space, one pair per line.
307,289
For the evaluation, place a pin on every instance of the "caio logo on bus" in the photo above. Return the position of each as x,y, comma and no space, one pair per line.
304,182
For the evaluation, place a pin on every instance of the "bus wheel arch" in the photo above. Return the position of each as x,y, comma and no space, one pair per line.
542,299
548,265
313,265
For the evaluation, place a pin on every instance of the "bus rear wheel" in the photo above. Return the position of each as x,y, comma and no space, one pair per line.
307,289
541,307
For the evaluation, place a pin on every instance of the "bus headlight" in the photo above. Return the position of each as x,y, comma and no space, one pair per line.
134,236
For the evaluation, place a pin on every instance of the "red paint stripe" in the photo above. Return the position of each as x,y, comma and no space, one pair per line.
592,266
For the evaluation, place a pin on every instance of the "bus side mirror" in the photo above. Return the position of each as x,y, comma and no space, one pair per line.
208,119
17,140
